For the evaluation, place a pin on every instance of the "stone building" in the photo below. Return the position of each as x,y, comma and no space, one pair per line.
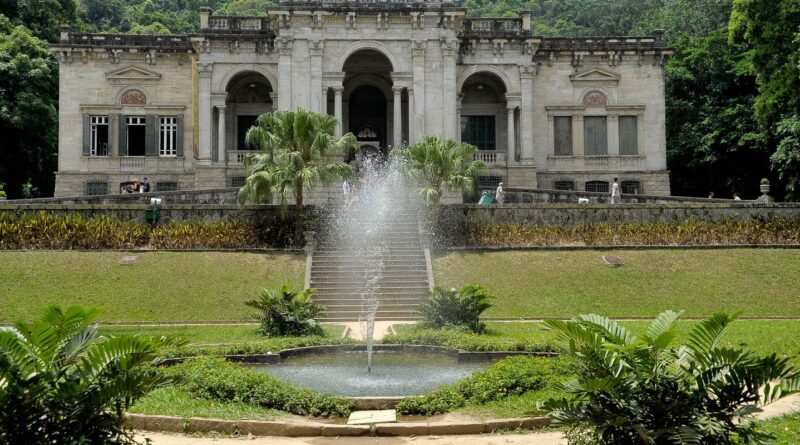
550,113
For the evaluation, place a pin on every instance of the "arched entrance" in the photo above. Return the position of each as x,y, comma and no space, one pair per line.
249,96
484,117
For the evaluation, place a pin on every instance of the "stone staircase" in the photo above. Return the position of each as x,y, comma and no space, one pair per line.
342,275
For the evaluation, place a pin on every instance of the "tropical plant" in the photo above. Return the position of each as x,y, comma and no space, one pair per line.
296,148
286,312
456,308
436,163
642,390
764,181
61,382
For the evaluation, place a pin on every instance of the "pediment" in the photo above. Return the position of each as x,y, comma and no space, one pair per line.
596,76
132,74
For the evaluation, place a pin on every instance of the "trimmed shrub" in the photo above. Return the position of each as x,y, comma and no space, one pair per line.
45,231
456,308
218,379
462,339
756,231
508,377
265,346
233,234
286,312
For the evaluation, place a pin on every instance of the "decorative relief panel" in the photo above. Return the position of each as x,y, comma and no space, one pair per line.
595,99
133,97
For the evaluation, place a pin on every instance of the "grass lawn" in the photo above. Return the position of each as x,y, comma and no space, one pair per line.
174,401
209,334
759,282
163,286
786,429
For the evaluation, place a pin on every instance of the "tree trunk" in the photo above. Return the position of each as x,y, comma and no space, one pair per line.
298,213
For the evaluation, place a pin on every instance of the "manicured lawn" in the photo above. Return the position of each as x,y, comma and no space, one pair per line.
209,334
786,429
759,282
163,286
174,401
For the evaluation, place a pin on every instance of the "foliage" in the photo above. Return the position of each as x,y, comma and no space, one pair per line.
296,146
61,382
723,232
456,308
245,8
764,181
28,115
41,230
217,379
787,156
642,390
264,346
287,312
711,131
508,377
436,163
464,340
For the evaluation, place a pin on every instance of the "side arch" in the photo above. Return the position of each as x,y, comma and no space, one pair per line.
488,69
222,84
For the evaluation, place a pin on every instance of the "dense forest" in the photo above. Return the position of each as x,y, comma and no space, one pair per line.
733,85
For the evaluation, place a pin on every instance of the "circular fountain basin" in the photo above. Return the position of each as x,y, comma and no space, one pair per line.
393,373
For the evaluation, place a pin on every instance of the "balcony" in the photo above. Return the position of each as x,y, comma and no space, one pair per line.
132,163
493,28
596,163
236,157
492,158
225,24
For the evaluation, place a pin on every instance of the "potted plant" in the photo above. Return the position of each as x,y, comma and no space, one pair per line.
764,186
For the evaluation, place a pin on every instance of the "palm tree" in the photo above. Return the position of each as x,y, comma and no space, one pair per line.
436,163
62,382
642,390
296,148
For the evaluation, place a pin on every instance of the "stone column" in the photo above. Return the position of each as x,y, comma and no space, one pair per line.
459,98
612,134
418,66
316,48
337,109
511,136
324,101
397,117
221,146
204,111
411,116
577,135
449,53
284,45
526,114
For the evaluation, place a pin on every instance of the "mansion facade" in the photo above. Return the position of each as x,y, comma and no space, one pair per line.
548,113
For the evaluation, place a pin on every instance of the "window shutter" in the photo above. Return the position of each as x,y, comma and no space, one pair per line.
151,135
563,135
595,135
87,134
628,136
122,134
179,138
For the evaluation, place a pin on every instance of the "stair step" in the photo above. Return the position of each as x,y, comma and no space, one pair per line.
356,300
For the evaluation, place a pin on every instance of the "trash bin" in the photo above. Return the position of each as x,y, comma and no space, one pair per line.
151,215
486,198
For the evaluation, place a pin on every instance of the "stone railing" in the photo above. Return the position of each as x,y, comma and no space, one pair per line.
238,24
132,163
490,157
236,157
525,196
160,42
493,28
554,44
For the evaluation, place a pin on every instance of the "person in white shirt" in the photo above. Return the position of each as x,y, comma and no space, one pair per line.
616,196
499,194
736,197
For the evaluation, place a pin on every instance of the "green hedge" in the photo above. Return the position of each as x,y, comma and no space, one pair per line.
265,346
460,339
217,379
41,230
771,230
508,377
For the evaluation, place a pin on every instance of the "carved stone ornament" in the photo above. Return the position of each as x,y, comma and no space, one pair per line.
367,133
595,99
133,97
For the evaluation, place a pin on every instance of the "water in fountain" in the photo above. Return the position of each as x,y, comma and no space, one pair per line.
362,227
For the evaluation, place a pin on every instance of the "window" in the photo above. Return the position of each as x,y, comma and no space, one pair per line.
595,136
631,187
98,145
478,131
562,131
96,188
236,181
166,186
488,181
243,123
628,136
564,185
597,186
135,130
168,136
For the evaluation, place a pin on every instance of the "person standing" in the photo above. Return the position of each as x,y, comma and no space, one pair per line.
146,185
616,196
499,194
736,197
